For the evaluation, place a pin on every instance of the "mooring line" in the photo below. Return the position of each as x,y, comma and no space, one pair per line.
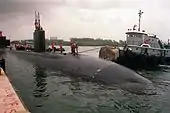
89,50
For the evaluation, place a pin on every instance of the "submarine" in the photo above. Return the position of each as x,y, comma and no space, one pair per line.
85,67
91,69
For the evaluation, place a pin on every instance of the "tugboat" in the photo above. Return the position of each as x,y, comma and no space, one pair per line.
141,50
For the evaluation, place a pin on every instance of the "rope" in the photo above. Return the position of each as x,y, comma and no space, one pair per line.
89,50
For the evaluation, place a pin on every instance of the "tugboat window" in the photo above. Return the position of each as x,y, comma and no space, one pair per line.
130,35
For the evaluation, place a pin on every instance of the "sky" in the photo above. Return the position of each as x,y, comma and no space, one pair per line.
107,19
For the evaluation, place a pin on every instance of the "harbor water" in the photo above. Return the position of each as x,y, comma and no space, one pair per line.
46,91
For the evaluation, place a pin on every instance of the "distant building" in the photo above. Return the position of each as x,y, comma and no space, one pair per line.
53,38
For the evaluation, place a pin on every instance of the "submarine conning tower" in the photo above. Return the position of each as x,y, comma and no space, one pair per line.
39,35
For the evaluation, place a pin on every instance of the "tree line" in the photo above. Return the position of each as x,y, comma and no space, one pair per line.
79,41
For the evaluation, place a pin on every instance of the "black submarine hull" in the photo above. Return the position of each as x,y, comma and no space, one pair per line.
90,68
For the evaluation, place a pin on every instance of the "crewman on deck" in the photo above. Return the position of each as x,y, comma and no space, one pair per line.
74,48
53,48
71,45
61,48
10,47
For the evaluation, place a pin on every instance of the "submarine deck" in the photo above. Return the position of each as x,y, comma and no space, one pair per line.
9,100
49,54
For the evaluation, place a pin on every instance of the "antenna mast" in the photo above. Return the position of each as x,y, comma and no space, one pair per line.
140,14
37,21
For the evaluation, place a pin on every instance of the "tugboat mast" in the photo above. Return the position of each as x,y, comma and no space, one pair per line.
140,14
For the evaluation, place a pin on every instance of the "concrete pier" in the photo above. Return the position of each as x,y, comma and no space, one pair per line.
10,102
39,41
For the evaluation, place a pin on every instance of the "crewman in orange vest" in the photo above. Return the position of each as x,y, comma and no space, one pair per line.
71,45
74,48
53,48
